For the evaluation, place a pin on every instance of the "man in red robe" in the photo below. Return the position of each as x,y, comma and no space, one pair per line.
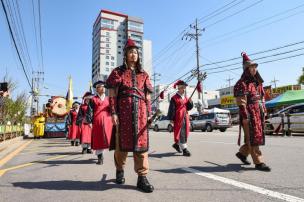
178,115
249,94
99,116
129,91
85,128
74,133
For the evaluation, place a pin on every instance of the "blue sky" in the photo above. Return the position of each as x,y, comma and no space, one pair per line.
67,43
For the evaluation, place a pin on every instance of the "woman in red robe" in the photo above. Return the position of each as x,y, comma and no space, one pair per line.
129,91
249,95
178,115
99,116
85,128
74,133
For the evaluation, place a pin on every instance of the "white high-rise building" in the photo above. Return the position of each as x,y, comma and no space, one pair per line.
110,33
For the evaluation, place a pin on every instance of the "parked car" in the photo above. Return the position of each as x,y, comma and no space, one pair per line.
296,113
163,123
212,120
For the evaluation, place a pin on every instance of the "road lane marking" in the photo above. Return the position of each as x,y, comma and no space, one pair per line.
242,185
3,171
219,142
14,153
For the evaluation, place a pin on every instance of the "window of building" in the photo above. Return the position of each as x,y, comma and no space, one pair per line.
107,69
107,45
107,33
119,46
119,52
107,39
119,41
112,57
107,63
107,57
107,51
112,64
119,35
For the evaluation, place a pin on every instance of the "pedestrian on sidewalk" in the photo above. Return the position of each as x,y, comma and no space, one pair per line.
84,126
74,133
249,94
129,91
179,118
99,117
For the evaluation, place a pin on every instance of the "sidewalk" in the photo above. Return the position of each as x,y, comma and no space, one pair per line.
9,146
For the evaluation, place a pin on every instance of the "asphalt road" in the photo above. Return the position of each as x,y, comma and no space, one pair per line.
52,170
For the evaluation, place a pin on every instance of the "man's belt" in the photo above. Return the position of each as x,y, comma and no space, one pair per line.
124,95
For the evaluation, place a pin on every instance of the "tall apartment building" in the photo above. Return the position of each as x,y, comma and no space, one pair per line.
110,33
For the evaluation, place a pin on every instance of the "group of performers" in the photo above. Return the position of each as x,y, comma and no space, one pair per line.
120,121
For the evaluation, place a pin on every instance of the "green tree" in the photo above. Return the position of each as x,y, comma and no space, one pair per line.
13,110
301,78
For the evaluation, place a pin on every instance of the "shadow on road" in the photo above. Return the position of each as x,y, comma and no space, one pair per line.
59,153
61,162
102,185
210,169
162,155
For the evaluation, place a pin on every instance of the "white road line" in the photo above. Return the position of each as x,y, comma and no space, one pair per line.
219,142
250,187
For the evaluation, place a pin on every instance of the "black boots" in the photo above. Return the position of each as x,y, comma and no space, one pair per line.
177,148
186,152
262,167
89,151
72,143
120,179
242,158
144,185
84,150
142,182
76,143
100,159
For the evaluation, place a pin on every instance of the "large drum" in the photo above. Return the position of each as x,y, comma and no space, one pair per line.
57,107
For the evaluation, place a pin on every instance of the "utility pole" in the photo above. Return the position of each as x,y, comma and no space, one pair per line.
155,78
37,77
274,81
229,83
196,36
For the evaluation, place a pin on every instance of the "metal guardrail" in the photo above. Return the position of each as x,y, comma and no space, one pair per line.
10,132
285,125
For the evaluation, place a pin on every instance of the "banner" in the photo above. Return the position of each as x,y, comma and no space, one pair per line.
228,100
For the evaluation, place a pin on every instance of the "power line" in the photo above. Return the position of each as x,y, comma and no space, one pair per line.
256,53
11,33
40,36
176,39
23,36
269,61
254,23
229,16
220,11
254,29
273,55
35,31
15,31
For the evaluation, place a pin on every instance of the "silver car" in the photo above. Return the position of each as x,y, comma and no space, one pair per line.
163,123
210,121
296,119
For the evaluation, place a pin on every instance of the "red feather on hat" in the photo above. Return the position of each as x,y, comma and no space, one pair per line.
177,83
199,87
162,94
245,56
